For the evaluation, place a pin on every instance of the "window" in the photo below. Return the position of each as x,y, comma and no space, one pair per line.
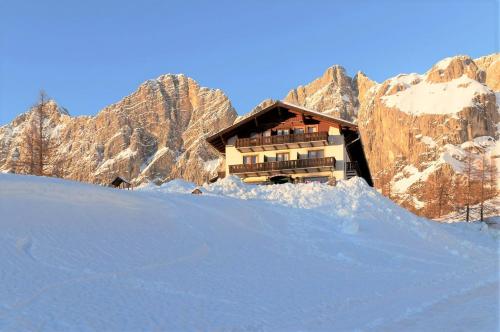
315,154
283,132
250,159
298,130
267,133
282,156
321,179
311,129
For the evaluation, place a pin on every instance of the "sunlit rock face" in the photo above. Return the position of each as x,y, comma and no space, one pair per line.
156,133
413,125
333,93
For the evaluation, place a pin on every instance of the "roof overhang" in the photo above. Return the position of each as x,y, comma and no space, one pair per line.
218,140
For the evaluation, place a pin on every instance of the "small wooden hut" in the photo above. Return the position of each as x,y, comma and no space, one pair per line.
197,191
120,183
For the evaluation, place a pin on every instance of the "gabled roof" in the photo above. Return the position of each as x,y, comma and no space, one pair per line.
218,140
119,180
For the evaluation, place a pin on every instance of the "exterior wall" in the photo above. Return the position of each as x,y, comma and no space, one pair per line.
335,148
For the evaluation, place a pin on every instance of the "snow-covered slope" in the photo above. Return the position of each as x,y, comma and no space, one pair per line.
422,97
76,257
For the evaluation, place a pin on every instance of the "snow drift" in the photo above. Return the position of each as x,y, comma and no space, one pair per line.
237,258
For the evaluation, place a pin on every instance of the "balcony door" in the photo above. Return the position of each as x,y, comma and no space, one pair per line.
282,156
249,160
313,154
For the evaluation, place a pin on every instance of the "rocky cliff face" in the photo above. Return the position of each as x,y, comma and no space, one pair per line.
333,93
490,64
413,125
154,134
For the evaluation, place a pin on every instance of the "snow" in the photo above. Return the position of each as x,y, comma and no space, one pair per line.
450,154
434,98
429,141
151,160
410,175
77,257
124,154
491,211
211,165
454,155
173,186
443,64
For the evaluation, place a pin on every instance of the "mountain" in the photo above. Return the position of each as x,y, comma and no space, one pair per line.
156,133
414,125
333,93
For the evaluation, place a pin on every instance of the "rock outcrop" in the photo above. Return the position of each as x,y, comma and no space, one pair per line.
490,64
414,125
155,134
333,93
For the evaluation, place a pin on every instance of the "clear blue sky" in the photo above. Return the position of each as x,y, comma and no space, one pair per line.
88,54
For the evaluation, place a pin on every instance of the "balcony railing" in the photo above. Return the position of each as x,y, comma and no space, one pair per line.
351,169
282,165
281,139
351,166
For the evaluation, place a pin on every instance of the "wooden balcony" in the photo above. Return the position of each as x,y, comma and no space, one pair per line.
280,142
284,167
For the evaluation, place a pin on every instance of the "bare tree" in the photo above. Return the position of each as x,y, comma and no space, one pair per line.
492,178
468,173
482,176
484,180
25,153
438,193
40,115
37,144
383,180
476,184
487,174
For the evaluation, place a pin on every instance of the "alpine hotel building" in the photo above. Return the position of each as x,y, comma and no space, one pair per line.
288,143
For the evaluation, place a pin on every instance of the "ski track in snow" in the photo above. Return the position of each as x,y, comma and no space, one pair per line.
86,258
